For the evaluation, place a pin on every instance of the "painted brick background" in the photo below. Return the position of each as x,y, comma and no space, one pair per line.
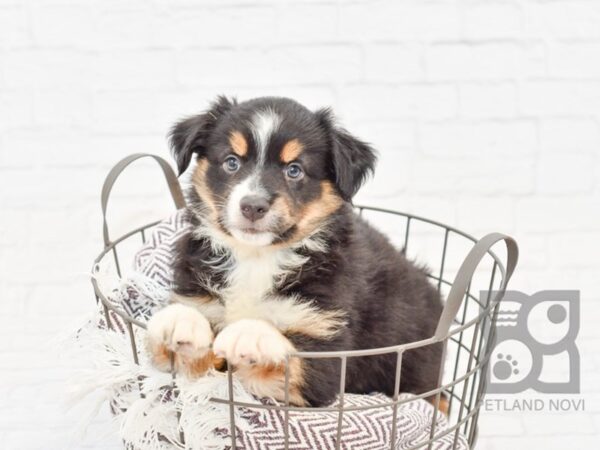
486,115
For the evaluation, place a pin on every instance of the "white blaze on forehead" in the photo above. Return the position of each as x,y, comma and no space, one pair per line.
264,124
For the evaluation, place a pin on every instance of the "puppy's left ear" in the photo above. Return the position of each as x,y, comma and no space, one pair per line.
353,160
190,135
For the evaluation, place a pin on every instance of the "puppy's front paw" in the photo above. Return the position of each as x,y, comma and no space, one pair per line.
252,341
181,330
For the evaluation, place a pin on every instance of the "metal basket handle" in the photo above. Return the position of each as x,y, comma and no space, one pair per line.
114,173
465,274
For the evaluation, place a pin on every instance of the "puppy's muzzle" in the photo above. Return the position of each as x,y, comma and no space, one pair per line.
254,207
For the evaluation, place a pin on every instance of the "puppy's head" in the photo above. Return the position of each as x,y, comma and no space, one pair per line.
269,171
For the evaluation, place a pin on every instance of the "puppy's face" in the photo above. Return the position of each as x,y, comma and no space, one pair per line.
269,171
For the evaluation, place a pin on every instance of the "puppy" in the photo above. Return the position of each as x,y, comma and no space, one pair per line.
277,261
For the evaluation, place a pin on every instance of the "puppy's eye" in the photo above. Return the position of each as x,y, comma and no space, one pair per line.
232,164
294,171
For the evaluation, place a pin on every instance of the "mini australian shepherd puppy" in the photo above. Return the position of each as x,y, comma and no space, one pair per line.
276,260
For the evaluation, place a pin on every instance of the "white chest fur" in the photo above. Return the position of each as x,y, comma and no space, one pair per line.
253,276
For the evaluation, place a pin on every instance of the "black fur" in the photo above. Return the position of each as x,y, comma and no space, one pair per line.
387,299
190,135
352,159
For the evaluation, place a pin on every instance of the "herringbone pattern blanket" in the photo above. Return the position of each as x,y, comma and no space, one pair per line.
206,425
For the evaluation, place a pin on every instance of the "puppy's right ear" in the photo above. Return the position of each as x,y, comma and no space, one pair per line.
352,159
190,135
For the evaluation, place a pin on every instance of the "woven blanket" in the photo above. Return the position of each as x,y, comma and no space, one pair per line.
147,402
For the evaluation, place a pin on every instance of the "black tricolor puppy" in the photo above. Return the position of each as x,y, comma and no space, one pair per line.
277,261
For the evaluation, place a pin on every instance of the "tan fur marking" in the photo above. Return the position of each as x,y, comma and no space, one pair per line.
443,406
291,150
161,357
318,210
269,381
311,216
200,366
282,208
199,182
319,324
238,143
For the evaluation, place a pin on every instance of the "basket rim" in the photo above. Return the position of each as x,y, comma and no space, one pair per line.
343,354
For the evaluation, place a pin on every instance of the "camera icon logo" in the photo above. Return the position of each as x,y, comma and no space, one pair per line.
535,345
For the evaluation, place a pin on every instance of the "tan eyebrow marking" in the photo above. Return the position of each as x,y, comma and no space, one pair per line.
291,150
238,143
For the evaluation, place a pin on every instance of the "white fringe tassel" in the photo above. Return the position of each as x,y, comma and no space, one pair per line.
142,397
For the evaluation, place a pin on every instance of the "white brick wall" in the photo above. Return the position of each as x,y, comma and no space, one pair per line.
486,115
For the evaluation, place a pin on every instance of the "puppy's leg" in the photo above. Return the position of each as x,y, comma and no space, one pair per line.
183,333
258,351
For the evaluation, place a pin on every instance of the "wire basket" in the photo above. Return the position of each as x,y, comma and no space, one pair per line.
469,275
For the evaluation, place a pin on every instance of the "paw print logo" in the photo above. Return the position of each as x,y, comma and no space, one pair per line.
511,362
505,367
533,331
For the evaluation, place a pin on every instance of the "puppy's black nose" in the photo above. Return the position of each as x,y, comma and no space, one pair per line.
254,207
